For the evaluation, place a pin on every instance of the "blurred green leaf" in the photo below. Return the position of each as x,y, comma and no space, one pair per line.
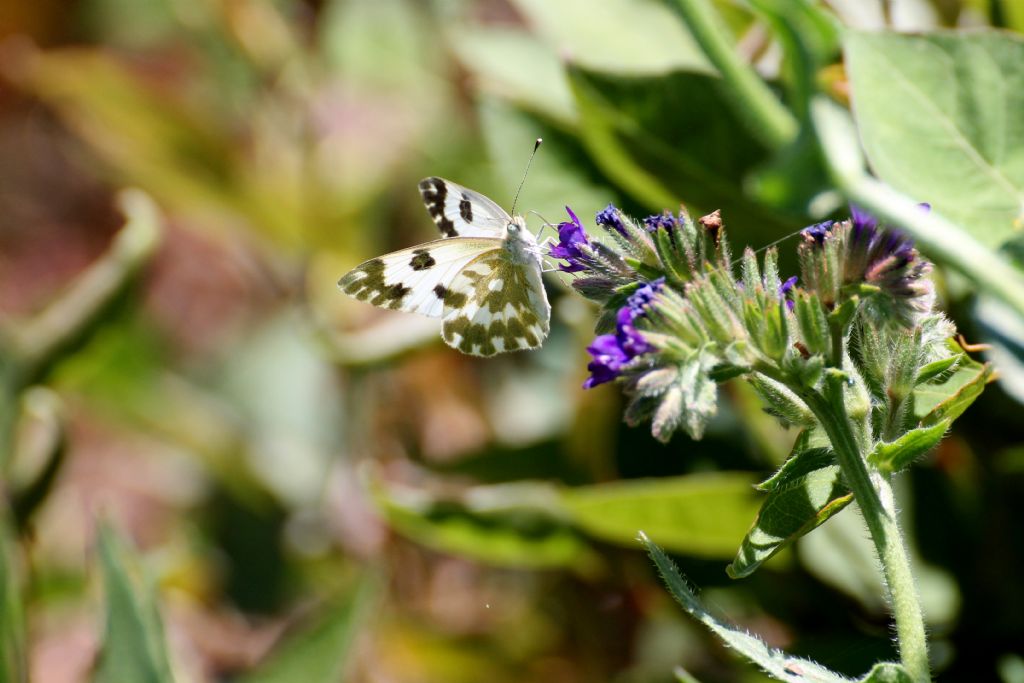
134,648
947,399
775,662
887,672
616,36
939,117
514,525
321,653
698,514
13,661
654,137
806,491
893,457
562,173
534,79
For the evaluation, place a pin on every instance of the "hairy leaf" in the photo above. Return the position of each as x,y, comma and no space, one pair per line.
775,662
939,116
893,457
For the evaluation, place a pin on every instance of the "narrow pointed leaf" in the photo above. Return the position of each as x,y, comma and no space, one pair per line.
893,457
13,667
134,648
774,662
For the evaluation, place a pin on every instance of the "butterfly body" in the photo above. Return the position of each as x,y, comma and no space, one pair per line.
482,278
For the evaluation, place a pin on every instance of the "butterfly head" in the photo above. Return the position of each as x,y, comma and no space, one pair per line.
519,241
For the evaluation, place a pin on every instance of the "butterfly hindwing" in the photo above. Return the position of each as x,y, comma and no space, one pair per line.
461,212
419,279
496,305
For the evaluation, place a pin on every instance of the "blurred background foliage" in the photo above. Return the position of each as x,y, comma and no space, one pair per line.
218,468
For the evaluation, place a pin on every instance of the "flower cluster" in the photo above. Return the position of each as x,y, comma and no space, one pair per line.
859,252
612,352
676,318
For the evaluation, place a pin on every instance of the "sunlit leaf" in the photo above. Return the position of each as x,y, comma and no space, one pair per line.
774,662
939,117
517,67
134,648
893,457
947,399
698,514
621,36
806,491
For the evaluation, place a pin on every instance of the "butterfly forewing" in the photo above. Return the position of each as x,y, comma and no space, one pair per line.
416,280
494,306
461,212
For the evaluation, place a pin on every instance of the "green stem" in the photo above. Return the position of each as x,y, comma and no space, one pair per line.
753,101
874,496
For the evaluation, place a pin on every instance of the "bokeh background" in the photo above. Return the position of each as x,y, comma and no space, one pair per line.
321,491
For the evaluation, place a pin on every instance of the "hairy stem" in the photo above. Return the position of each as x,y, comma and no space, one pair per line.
874,496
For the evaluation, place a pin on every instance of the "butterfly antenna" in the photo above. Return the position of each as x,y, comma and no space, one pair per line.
521,182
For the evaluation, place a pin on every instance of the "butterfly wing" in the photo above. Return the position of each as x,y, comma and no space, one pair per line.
461,212
419,279
496,305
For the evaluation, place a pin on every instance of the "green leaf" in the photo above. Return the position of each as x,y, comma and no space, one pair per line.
893,457
512,525
13,663
946,400
806,491
936,368
774,662
534,80
653,137
698,514
620,36
133,647
939,117
320,654
887,672
561,174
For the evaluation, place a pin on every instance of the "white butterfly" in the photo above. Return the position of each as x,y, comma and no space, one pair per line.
483,278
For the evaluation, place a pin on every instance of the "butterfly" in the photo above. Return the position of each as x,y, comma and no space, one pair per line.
482,278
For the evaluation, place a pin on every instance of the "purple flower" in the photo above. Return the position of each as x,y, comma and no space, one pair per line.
611,352
660,220
639,299
609,358
784,289
817,232
570,236
608,217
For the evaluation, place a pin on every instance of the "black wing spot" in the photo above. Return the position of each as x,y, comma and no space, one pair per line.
421,260
435,192
440,291
466,209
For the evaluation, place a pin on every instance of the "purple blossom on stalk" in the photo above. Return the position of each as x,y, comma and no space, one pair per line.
612,352
818,231
608,217
784,289
571,236
660,220
875,255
